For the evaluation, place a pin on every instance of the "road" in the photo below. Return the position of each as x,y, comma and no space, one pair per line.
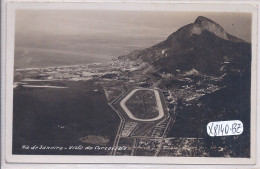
121,125
128,112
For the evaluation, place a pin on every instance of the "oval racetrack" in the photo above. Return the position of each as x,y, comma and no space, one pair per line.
158,102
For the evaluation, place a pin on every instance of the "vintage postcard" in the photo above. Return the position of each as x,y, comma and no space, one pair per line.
131,83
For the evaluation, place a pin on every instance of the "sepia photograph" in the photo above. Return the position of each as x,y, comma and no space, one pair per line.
132,83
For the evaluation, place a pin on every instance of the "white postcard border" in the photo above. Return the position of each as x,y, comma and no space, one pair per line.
9,61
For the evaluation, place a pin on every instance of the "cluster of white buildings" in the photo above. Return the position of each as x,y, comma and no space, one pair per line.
79,72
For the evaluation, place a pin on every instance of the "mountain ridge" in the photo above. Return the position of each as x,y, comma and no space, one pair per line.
204,42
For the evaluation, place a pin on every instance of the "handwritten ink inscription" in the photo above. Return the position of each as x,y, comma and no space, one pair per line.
225,128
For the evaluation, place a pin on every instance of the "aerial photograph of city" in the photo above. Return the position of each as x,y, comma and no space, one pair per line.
130,83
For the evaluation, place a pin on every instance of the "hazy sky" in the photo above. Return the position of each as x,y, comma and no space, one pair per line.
106,34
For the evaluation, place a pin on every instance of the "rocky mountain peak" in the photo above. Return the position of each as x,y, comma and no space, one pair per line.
202,39
203,23
202,19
